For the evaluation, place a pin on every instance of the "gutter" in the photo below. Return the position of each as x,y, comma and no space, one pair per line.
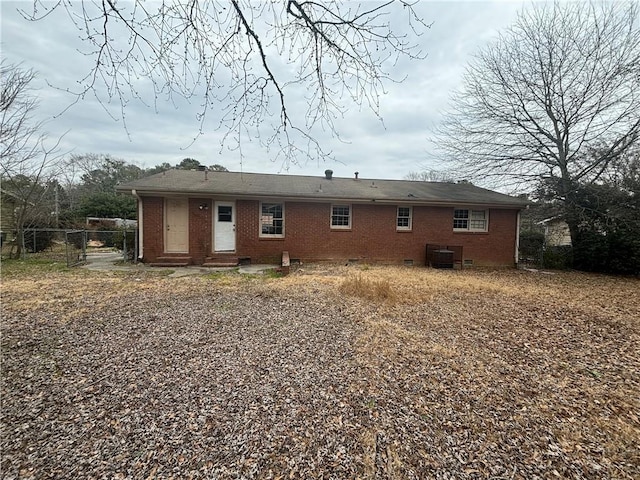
140,225
417,201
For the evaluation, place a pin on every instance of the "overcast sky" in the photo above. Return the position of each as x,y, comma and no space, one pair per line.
410,110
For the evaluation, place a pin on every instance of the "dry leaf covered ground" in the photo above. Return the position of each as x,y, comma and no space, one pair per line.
331,372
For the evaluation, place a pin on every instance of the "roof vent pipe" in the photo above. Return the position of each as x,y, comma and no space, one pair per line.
328,174
356,174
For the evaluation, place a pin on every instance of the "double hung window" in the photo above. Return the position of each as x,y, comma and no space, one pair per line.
271,219
403,219
467,220
341,216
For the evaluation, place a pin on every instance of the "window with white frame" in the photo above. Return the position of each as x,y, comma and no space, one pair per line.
467,220
340,216
271,219
403,220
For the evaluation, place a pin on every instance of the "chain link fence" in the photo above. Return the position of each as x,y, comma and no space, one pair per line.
71,246
535,252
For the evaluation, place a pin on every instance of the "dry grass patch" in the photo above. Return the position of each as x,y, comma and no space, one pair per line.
378,290
607,295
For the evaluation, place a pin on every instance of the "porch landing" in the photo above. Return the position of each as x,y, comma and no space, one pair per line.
171,262
221,261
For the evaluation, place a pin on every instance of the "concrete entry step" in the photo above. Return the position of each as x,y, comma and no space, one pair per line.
221,261
171,262
167,265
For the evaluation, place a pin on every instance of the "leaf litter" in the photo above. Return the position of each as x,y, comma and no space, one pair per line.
472,374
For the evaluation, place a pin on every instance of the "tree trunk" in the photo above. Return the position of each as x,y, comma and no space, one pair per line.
19,240
567,192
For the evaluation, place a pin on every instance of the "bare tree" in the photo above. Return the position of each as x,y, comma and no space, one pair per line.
239,56
430,175
563,81
29,162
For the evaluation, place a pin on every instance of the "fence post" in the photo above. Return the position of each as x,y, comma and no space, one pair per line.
84,246
124,244
66,248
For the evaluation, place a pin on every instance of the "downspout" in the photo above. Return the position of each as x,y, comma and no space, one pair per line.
517,253
140,225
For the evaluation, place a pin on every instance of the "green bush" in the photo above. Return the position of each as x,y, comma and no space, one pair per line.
37,240
614,251
558,258
624,252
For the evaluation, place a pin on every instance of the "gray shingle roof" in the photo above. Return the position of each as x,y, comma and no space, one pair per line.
266,186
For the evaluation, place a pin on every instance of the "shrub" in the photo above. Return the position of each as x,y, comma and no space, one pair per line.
615,251
37,240
624,252
559,258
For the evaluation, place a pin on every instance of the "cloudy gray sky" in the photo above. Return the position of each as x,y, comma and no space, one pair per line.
389,149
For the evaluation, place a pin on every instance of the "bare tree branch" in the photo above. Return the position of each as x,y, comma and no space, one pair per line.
29,162
239,57
555,100
564,78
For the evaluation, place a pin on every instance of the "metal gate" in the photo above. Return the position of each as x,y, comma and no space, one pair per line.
76,247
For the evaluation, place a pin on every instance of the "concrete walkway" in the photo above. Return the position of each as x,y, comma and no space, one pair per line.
112,261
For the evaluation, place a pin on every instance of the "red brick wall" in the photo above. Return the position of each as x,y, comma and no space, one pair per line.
309,237
153,228
200,221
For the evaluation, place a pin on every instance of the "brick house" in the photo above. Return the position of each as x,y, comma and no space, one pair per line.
222,218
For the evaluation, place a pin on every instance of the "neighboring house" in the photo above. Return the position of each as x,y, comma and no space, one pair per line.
223,218
8,204
556,232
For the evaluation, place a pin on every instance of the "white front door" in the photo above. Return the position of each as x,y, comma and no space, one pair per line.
176,225
224,227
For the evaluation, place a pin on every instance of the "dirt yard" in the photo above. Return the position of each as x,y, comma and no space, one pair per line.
331,372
